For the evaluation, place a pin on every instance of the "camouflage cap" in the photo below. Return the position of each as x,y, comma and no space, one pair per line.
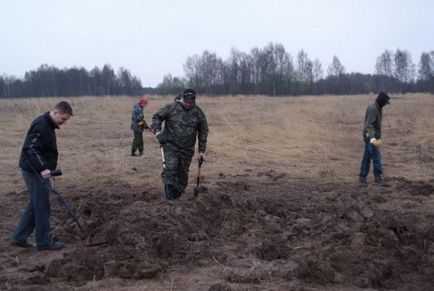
189,95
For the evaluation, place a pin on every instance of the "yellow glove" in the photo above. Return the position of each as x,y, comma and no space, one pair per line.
375,142
140,122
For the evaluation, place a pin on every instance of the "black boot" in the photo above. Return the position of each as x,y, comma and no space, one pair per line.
362,180
140,152
379,180
133,153
169,190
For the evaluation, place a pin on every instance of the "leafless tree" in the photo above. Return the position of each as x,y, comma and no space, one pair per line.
336,68
191,70
317,71
404,67
304,68
384,64
426,66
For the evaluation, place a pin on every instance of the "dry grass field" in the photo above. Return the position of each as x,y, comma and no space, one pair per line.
280,208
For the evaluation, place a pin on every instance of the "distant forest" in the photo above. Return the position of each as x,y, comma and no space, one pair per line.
47,81
269,71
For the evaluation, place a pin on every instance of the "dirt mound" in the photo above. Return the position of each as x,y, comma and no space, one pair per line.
286,234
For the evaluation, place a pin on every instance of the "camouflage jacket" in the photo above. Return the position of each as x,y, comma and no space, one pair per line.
182,126
137,117
372,125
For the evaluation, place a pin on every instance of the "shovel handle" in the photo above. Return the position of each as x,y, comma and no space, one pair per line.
200,161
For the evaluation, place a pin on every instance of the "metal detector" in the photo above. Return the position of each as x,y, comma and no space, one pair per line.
161,147
82,233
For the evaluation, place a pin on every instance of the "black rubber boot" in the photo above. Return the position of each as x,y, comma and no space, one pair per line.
168,191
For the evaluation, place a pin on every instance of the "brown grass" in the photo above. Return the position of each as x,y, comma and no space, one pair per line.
309,137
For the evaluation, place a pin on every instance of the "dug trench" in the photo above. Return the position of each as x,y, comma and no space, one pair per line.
258,231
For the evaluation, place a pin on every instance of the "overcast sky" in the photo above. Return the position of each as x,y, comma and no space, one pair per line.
154,38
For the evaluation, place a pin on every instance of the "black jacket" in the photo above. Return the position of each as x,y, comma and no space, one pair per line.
40,145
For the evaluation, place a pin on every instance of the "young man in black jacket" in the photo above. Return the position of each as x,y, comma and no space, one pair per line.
38,158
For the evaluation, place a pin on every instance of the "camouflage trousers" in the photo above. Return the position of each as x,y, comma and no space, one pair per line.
137,142
176,168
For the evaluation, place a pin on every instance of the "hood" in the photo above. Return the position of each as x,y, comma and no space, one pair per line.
382,99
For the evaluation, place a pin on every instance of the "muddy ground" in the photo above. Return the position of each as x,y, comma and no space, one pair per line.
255,231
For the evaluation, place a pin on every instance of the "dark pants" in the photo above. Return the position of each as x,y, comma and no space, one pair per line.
371,153
175,172
137,142
37,214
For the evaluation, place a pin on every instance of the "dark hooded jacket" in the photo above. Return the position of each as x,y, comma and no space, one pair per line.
40,145
374,116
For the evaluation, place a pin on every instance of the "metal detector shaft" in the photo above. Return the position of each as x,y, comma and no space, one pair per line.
84,235
162,157
161,148
153,135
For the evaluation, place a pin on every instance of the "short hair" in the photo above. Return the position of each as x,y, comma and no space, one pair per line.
64,108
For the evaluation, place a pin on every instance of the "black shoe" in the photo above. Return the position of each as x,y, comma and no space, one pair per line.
177,194
133,153
54,246
140,153
21,243
379,180
169,191
362,180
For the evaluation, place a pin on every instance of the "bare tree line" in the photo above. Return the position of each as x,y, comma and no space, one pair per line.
50,81
273,71
270,71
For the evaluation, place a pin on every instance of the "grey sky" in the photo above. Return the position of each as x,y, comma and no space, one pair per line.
154,38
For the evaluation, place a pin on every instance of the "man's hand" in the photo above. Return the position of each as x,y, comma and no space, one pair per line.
46,174
161,137
375,142
140,122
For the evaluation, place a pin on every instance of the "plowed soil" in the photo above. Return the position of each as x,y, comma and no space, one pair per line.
255,231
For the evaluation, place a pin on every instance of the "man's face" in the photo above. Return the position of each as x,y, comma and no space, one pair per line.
188,104
60,118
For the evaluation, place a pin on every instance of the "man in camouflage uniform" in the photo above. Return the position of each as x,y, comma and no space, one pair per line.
138,124
184,121
372,138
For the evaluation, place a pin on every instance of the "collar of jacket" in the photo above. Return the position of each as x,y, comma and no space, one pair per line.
378,106
50,120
